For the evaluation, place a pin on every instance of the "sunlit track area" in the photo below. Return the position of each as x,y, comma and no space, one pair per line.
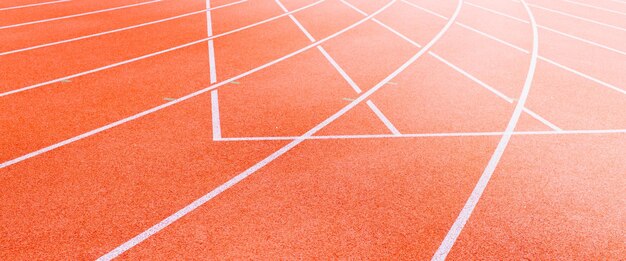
313,129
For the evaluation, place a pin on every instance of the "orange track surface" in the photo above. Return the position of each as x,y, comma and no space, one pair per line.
317,139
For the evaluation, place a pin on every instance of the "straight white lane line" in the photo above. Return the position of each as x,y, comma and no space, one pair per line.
215,116
204,199
578,17
542,120
77,15
215,109
343,73
156,53
118,30
383,118
461,71
550,29
470,205
31,5
493,38
431,135
594,7
588,77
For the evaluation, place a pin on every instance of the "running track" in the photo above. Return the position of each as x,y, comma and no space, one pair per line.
300,129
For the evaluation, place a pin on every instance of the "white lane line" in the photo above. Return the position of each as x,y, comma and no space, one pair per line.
588,77
383,118
493,38
119,29
431,135
31,5
594,7
461,71
542,120
550,29
343,73
215,109
204,199
470,205
578,17
156,53
215,116
77,15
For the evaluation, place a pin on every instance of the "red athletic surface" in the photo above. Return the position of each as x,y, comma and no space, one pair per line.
553,195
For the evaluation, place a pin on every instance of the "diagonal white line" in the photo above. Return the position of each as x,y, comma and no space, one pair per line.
215,116
472,201
31,5
215,109
77,15
157,53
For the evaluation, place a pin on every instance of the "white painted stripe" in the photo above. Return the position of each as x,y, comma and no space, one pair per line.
118,30
156,53
295,21
470,205
471,77
31,5
551,30
215,116
498,13
383,118
542,120
431,135
583,40
588,77
77,15
343,73
579,18
202,200
594,7
493,38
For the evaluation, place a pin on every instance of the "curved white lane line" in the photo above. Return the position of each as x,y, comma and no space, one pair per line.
156,53
204,199
466,212
32,5
77,15
119,29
